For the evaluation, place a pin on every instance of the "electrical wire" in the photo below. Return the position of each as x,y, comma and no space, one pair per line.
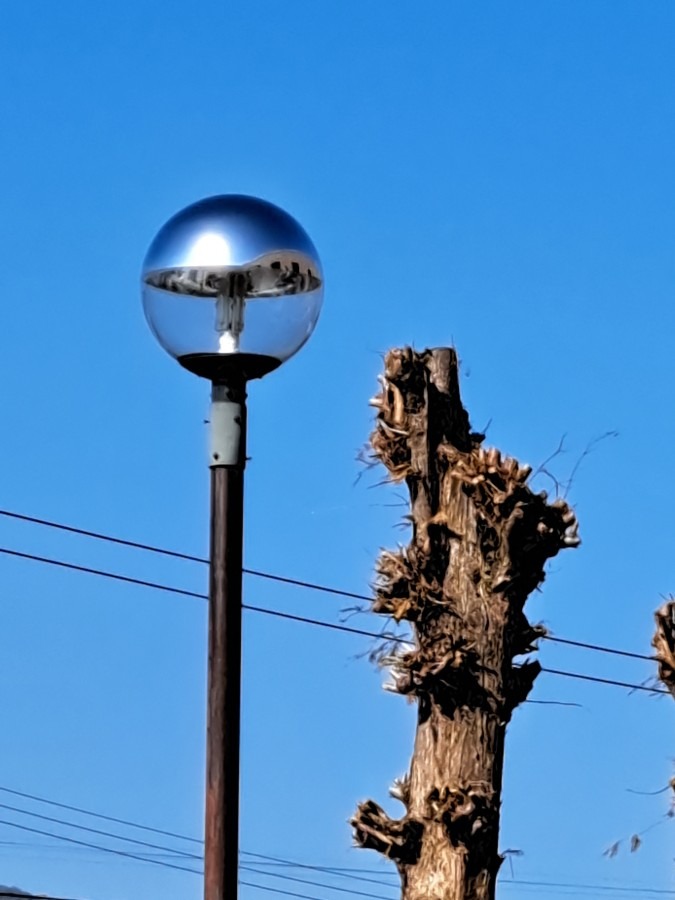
110,834
598,680
97,815
294,864
330,887
25,896
288,616
117,836
349,873
272,890
590,887
355,874
174,554
598,648
99,536
124,853
311,585
102,573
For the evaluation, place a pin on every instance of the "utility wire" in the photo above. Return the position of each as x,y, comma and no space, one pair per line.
272,890
566,885
97,815
299,583
99,536
598,648
356,874
330,887
598,680
311,585
70,840
346,871
175,554
590,887
102,573
297,865
25,896
244,867
117,836
87,570
349,873
98,831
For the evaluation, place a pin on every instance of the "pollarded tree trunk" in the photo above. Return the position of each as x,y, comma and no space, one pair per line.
480,540
664,644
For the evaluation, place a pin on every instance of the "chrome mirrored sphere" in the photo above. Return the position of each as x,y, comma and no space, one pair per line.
232,287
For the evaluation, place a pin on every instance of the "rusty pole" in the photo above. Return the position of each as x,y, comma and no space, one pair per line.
227,462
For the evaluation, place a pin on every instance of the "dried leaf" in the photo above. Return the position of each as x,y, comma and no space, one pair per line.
612,851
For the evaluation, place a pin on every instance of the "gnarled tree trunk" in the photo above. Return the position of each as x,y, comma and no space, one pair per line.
480,539
664,644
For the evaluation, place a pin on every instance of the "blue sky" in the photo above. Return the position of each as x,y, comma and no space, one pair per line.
497,175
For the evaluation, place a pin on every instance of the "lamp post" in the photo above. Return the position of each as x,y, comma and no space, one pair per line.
232,287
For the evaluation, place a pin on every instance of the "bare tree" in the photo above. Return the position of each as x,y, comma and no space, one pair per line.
480,540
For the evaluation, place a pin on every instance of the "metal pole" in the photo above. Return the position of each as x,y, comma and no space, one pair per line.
227,461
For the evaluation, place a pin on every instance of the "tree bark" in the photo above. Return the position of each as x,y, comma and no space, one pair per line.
664,644
480,539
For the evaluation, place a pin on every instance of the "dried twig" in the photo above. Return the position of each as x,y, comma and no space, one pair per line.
589,449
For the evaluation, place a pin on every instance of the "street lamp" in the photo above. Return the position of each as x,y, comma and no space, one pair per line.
232,287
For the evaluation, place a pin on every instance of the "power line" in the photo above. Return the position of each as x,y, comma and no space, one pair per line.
117,836
25,896
104,849
598,648
311,585
399,640
272,890
98,831
124,853
175,554
566,885
102,573
294,864
598,680
330,887
590,887
154,585
348,873
97,815
356,874
331,625
99,536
